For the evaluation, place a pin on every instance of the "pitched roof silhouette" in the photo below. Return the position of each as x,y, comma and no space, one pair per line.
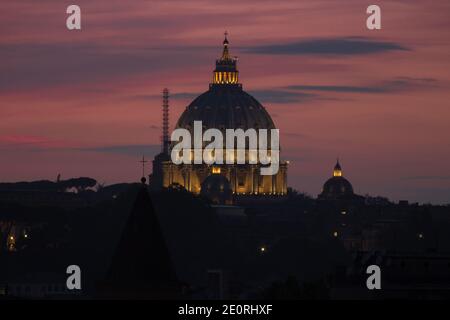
141,266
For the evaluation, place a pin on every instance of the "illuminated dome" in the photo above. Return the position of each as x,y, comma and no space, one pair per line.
337,186
217,188
225,105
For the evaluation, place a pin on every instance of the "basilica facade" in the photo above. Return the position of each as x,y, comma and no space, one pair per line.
224,106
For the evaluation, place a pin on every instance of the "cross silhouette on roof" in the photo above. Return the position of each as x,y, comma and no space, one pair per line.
143,161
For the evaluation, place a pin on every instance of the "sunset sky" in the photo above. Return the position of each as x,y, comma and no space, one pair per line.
88,103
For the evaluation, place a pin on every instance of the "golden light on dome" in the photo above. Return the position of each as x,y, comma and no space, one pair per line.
337,171
216,170
226,77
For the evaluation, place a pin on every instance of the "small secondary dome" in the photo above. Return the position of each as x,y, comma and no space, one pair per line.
217,188
336,187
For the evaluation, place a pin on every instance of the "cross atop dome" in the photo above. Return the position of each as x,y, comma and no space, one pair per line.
225,53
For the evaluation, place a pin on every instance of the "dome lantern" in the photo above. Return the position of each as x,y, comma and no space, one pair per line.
337,171
226,72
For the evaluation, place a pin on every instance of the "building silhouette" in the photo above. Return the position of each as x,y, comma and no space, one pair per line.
141,266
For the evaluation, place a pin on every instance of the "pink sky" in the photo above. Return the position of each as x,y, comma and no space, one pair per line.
87,103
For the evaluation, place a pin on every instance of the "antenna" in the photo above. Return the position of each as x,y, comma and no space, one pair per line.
165,126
